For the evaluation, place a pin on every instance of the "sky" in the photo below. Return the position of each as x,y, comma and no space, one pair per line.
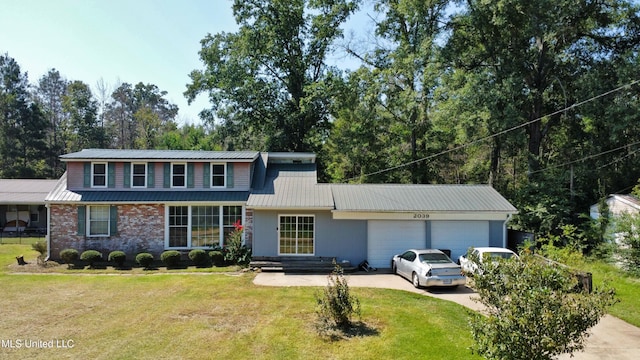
116,41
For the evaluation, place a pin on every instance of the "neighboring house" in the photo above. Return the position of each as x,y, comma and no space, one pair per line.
22,206
617,205
148,200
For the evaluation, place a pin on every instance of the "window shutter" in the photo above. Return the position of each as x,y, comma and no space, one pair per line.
206,178
113,220
82,220
127,175
190,167
87,175
167,175
151,179
111,169
230,176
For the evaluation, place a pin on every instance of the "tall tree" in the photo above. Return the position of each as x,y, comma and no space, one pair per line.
269,77
22,125
83,118
49,94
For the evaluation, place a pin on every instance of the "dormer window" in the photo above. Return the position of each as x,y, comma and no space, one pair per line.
139,175
218,175
178,175
99,175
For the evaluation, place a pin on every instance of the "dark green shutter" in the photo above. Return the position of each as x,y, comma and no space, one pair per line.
127,175
111,171
229,176
206,177
167,175
151,180
113,220
190,175
87,175
82,220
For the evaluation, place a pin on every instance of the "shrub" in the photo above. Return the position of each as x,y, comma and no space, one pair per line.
217,258
40,247
336,305
117,257
69,256
91,256
234,251
171,258
199,257
145,260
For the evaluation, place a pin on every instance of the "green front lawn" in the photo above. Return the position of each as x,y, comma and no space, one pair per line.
196,316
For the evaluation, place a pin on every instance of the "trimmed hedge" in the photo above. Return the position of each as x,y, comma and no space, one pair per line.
92,257
171,258
69,256
118,258
217,258
199,257
145,260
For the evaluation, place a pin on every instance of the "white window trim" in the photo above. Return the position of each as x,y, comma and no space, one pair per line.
314,234
224,176
88,222
190,224
106,175
146,175
185,175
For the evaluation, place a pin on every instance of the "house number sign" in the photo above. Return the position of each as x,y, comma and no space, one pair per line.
420,216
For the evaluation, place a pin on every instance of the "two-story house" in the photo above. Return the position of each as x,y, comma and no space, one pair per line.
155,200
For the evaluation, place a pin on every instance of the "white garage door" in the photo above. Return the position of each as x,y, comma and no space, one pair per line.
458,236
387,238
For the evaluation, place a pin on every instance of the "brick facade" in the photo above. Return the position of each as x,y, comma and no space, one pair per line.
140,229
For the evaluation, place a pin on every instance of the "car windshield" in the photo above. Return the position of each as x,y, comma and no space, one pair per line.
498,255
434,258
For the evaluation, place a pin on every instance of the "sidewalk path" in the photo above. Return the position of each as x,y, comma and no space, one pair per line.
611,339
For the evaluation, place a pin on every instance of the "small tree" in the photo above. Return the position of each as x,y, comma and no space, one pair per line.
626,232
40,247
534,310
69,256
118,258
335,304
91,257
145,260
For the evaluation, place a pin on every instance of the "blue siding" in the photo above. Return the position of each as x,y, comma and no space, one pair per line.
496,233
342,239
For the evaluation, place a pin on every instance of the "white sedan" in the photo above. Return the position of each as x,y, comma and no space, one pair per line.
427,268
483,254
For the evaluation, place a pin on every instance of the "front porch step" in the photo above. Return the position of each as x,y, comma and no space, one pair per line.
299,264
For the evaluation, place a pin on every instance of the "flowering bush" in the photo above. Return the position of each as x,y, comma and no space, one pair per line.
234,252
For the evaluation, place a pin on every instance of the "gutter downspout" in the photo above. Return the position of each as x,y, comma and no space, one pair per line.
48,236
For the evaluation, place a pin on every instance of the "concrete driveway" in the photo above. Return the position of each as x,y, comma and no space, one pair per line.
611,339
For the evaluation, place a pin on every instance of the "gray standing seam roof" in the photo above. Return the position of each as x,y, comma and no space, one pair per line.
118,154
436,198
25,191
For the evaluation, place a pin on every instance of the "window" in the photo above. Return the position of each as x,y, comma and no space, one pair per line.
178,226
296,235
201,226
205,226
178,175
218,175
98,220
139,175
99,175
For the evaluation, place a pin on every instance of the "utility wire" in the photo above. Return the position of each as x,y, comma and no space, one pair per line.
463,146
592,157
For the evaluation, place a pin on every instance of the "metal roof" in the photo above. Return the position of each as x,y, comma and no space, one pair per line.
436,198
291,186
61,194
186,155
25,191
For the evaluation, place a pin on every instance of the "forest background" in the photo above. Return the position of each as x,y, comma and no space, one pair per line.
538,98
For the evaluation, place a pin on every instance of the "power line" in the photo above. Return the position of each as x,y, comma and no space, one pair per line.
463,146
592,157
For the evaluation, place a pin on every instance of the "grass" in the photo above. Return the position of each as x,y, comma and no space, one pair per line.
21,240
169,315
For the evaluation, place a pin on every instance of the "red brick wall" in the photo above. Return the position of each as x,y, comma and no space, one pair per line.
140,229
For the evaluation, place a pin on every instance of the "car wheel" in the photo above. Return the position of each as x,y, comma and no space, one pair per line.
415,280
